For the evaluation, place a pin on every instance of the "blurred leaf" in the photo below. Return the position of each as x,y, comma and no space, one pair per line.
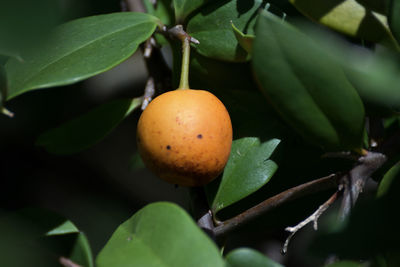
376,77
244,257
10,53
348,17
388,180
163,10
161,234
371,229
245,40
306,86
247,170
88,129
394,17
184,7
3,85
78,50
136,162
212,27
345,264
23,22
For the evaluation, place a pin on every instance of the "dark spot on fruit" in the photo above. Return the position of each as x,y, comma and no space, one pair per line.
168,147
199,136
138,140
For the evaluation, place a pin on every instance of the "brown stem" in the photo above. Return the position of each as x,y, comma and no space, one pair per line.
312,218
318,185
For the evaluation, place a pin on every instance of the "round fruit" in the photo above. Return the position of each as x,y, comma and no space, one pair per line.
185,137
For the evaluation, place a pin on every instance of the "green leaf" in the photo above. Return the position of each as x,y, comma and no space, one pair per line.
345,264
161,234
348,17
184,7
3,85
81,252
212,27
388,180
306,86
247,170
245,40
66,227
4,52
244,257
394,17
78,50
88,129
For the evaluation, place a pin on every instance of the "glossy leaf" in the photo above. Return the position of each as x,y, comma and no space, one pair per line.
348,17
306,86
245,40
78,50
184,7
212,27
161,234
88,129
394,18
244,257
247,170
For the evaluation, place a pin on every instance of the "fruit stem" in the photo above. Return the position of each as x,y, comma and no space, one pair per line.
184,82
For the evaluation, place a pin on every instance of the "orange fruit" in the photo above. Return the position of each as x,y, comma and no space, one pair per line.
185,137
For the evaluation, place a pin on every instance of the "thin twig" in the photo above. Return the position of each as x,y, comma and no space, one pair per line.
149,92
318,185
148,47
312,218
68,263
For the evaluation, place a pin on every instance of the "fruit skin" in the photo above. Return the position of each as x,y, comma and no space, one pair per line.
185,137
